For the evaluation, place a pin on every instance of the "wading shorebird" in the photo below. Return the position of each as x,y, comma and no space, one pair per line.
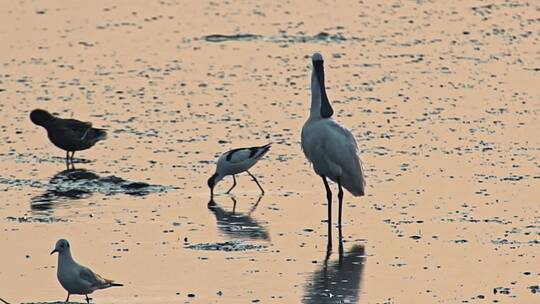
69,135
330,148
75,278
234,162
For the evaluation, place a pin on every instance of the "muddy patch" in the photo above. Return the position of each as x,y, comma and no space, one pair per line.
34,219
82,183
74,184
226,246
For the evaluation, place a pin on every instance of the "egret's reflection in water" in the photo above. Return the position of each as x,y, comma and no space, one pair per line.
338,281
238,225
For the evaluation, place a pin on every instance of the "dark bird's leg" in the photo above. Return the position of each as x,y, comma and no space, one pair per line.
340,197
329,199
234,184
256,181
67,300
87,299
67,159
70,162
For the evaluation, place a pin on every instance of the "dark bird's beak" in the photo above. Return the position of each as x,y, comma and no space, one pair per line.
326,108
54,251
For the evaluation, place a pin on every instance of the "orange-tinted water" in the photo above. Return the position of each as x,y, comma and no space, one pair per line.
442,98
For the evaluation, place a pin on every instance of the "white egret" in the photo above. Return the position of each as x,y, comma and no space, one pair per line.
330,148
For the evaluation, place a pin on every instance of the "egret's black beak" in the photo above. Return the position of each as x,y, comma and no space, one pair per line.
326,108
54,251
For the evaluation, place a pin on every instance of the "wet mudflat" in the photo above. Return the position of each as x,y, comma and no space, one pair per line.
442,98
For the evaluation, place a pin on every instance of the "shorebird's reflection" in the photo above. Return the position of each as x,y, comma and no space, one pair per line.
74,184
238,225
338,281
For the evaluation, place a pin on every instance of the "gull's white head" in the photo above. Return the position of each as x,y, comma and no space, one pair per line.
317,57
61,246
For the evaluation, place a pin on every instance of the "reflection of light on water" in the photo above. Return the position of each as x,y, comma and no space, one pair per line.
337,281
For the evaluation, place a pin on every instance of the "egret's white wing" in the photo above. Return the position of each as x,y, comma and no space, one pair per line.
338,147
353,172
341,138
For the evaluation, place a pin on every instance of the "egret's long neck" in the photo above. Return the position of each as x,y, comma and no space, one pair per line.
315,111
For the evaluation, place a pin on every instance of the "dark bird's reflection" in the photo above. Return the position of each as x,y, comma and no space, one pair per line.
238,225
338,281
74,184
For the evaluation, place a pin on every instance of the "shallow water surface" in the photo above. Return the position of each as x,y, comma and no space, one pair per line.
442,97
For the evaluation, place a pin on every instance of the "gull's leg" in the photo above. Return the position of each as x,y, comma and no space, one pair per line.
329,199
256,181
340,196
234,184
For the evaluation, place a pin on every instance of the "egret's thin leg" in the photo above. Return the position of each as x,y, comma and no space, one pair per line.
256,181
329,199
328,252
340,196
340,247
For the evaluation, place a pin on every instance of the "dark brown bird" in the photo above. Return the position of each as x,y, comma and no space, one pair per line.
69,135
